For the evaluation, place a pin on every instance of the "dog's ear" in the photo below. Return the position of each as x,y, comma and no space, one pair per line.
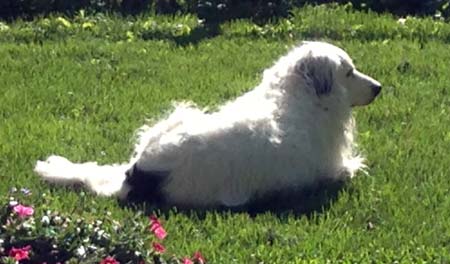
317,73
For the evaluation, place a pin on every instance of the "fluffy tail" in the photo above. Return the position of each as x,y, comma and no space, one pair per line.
105,180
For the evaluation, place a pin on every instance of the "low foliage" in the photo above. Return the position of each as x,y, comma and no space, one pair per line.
308,22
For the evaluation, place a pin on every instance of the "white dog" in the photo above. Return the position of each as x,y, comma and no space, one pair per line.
292,130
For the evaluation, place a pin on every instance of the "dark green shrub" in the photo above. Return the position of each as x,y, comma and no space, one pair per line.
400,7
214,11
10,9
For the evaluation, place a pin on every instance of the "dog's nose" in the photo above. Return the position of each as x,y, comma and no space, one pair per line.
376,89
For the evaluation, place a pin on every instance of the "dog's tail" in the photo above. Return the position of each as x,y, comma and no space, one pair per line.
105,180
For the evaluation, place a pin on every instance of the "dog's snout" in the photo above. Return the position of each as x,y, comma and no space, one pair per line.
376,89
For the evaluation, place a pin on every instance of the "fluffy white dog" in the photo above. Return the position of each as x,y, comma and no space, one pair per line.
291,131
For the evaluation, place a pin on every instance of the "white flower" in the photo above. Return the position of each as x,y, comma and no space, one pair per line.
100,232
57,220
27,226
45,220
401,21
81,251
92,248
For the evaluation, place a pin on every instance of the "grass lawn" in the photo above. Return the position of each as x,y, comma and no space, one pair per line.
81,93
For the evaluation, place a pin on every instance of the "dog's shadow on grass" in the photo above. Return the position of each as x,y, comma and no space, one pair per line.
298,202
307,201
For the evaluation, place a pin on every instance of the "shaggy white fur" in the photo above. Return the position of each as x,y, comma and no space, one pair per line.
292,130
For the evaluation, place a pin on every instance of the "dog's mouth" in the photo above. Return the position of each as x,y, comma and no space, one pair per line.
376,90
365,103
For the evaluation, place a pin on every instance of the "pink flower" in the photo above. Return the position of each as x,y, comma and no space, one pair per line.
187,261
198,258
109,260
20,253
159,232
157,228
23,211
158,247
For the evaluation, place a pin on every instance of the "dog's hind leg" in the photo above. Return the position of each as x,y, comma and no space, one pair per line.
146,186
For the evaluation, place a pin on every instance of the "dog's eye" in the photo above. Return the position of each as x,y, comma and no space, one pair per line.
349,73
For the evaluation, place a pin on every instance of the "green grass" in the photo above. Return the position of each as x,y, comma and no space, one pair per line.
82,94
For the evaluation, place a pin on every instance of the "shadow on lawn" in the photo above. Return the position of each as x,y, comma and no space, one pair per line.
306,201
303,202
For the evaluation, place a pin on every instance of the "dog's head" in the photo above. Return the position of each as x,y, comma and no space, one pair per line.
328,68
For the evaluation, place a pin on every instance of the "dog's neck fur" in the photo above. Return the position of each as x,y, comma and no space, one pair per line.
293,106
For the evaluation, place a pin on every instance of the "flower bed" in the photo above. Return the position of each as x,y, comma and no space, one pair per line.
30,235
